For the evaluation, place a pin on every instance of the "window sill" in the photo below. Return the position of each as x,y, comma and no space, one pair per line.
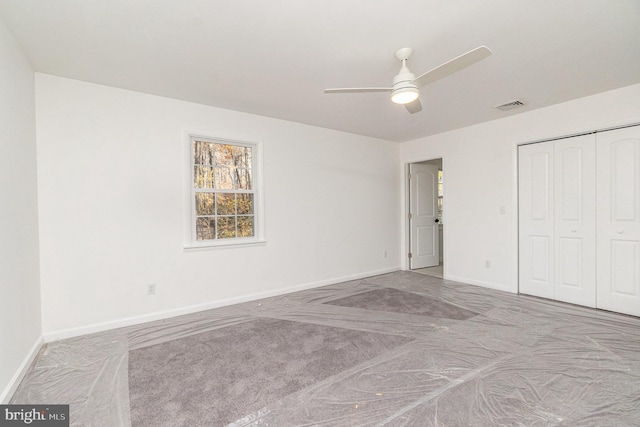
191,247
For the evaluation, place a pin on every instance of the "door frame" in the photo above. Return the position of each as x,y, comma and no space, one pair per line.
406,264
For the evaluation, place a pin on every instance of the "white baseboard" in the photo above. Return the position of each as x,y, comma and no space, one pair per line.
483,284
8,391
136,320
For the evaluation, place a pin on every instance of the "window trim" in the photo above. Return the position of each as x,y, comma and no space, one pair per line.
190,241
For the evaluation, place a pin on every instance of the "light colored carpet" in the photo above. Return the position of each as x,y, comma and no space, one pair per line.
330,357
216,377
404,302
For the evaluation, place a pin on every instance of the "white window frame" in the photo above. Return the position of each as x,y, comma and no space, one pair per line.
190,240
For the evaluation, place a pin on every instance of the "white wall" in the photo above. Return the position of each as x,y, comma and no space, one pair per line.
481,175
111,182
20,326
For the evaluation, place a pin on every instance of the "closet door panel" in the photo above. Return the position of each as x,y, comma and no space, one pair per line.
575,220
619,220
536,239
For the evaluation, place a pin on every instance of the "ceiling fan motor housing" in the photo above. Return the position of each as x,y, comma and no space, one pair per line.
404,90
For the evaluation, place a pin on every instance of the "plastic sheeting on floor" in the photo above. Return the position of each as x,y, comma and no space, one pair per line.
479,358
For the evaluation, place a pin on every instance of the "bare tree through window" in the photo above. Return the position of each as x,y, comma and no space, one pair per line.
223,190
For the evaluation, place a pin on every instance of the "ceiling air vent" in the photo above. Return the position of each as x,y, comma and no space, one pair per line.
510,105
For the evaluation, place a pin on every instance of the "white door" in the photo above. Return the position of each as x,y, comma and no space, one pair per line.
423,216
619,220
536,219
557,220
575,220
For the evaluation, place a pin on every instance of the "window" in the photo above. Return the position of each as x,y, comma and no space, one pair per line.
224,200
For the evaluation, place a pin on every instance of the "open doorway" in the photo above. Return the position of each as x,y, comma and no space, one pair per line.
426,227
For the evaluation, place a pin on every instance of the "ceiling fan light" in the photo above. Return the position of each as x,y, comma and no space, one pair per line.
405,95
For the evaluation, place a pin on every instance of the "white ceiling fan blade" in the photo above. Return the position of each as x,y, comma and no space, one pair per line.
414,107
450,67
358,90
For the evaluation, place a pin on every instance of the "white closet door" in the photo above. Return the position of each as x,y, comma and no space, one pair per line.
575,220
619,220
536,219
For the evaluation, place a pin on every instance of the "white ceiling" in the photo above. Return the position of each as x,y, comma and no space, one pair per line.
274,58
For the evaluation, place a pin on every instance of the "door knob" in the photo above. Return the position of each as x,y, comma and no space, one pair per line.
620,231
437,220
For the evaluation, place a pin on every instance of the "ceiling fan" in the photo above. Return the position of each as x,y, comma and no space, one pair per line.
405,89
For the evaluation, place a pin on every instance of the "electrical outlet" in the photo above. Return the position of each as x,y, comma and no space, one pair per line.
502,210
151,289
487,264
385,254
